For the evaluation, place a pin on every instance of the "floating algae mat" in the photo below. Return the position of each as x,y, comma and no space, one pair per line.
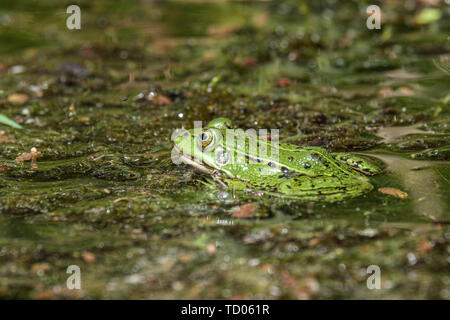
89,182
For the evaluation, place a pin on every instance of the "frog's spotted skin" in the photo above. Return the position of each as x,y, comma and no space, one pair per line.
309,173
358,163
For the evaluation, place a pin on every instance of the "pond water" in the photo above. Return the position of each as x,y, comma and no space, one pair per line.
101,103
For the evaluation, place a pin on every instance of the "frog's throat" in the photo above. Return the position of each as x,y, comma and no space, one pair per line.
192,162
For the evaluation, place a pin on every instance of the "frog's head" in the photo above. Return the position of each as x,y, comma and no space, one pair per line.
201,148
221,124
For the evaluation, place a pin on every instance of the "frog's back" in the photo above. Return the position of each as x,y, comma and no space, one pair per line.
311,161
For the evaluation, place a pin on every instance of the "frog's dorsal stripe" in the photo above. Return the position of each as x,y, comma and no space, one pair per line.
302,158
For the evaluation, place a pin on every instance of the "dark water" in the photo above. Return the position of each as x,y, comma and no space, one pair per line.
107,197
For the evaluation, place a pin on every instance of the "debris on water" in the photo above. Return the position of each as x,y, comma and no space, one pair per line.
244,211
221,30
402,91
214,81
40,267
122,199
71,69
442,153
425,246
369,232
253,262
258,236
134,279
88,257
38,90
72,111
249,62
211,249
33,155
140,96
44,294
412,260
97,158
394,192
283,82
18,98
17,69
158,99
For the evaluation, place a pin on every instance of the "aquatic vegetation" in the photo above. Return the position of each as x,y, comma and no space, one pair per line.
102,105
6,121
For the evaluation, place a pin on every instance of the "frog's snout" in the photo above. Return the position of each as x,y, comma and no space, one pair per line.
179,139
179,136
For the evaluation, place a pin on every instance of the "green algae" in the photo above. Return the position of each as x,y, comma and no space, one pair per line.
106,185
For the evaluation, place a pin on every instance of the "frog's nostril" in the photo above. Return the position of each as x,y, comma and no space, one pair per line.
178,139
179,135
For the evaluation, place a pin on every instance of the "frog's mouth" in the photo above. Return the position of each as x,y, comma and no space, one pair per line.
180,157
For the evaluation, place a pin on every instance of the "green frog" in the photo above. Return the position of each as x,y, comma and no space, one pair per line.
243,161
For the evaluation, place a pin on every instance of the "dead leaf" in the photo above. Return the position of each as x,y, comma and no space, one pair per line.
3,67
85,120
405,91
89,257
45,294
385,92
185,258
17,98
158,98
211,249
245,211
424,246
259,20
221,30
250,62
393,192
402,91
283,82
429,2
40,267
402,74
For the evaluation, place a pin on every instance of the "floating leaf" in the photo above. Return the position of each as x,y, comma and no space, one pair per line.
9,122
18,98
245,211
394,192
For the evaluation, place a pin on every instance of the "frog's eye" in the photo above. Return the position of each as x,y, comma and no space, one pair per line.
205,138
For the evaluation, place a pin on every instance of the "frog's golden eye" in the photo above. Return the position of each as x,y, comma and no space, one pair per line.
205,138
